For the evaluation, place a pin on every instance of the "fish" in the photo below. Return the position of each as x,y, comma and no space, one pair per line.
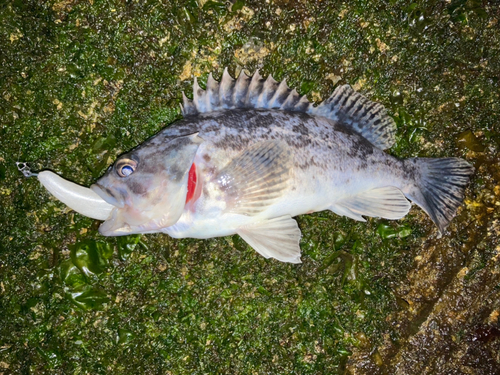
250,154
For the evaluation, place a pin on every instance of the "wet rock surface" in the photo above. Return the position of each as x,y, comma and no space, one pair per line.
84,81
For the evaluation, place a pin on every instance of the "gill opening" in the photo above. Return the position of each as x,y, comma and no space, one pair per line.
192,179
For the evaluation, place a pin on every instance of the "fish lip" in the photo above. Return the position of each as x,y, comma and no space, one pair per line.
106,195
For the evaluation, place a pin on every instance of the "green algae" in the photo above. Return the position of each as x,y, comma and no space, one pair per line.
83,82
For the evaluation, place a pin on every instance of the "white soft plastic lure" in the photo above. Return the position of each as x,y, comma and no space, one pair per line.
250,154
79,198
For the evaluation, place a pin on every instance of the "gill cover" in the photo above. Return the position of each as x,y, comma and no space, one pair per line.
148,186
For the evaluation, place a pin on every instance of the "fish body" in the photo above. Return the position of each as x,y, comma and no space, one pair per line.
251,154
328,163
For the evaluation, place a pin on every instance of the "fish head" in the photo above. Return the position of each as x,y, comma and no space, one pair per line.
147,186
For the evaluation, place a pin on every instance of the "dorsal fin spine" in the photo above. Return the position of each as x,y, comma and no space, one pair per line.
268,89
212,92
187,106
240,90
225,90
198,96
282,88
254,89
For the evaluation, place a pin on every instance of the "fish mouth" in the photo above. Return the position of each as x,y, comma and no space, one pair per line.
107,195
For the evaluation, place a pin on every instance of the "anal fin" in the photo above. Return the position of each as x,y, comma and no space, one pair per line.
275,238
387,202
342,210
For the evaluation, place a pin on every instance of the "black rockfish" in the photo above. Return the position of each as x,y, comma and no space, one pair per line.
250,154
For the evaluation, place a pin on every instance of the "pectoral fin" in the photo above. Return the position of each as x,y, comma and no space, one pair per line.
275,238
386,202
256,177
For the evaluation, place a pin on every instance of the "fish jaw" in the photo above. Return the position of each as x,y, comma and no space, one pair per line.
128,218
107,195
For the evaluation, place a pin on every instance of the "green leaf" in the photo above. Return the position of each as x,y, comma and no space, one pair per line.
126,245
104,143
215,6
88,257
88,297
238,5
124,336
385,231
71,275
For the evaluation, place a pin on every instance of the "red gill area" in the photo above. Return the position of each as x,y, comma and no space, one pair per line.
191,183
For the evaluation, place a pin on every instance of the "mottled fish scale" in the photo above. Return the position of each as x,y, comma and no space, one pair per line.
306,134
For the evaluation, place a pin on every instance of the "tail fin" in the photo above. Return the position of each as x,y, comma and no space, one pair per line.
439,186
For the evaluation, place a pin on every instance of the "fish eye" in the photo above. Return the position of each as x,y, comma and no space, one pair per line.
125,167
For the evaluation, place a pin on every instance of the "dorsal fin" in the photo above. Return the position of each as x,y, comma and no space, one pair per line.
355,111
346,106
